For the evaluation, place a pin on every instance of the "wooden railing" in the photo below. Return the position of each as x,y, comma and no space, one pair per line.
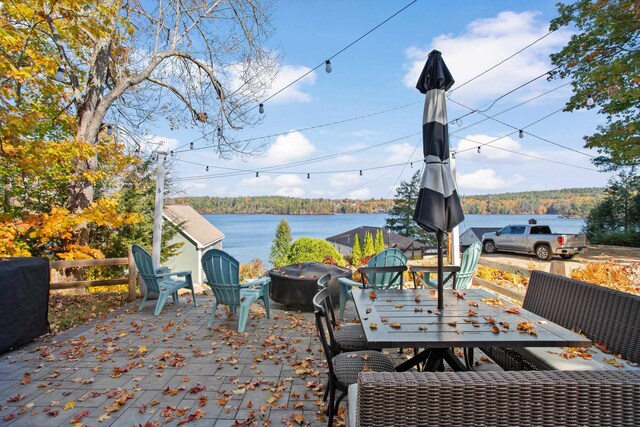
77,284
517,296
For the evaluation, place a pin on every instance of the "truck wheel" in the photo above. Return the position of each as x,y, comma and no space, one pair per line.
489,247
566,256
543,252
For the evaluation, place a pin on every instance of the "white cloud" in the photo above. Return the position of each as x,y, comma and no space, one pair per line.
400,152
290,192
484,43
486,179
287,180
294,93
160,142
364,134
344,179
361,193
289,148
467,148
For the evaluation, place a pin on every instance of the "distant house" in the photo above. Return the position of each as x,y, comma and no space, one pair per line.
197,234
343,242
474,234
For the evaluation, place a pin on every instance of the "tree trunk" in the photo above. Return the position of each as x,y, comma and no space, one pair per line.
81,191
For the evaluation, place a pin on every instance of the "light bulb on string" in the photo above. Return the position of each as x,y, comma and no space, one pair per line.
207,169
520,134
411,165
360,172
327,66
257,174
308,176
219,132
172,154
261,108
191,146
590,101
60,74
478,149
109,130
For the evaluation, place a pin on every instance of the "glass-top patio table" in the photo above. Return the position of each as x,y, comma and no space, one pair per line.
471,318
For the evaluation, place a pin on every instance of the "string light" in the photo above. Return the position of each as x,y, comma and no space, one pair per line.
411,165
207,169
590,101
360,172
261,109
191,146
308,176
327,66
520,134
219,132
478,149
109,130
257,174
173,154
60,74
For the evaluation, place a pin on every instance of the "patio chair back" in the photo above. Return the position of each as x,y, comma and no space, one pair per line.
322,307
468,265
223,276
388,258
145,268
323,283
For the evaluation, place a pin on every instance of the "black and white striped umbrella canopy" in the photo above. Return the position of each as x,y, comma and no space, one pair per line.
438,208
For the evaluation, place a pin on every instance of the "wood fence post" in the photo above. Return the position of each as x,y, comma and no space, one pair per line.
132,277
559,268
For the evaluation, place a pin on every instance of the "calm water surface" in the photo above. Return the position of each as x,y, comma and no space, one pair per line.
250,236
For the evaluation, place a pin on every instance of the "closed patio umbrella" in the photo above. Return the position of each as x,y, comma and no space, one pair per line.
438,208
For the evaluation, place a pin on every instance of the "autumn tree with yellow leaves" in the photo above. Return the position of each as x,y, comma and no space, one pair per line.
71,69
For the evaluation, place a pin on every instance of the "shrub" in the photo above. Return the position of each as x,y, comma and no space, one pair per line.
306,249
624,278
252,270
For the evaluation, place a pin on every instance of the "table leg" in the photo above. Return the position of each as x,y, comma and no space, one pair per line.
468,358
414,361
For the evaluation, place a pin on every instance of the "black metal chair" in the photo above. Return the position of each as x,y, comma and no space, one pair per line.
344,367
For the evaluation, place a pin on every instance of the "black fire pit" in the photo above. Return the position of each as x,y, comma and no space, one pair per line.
296,284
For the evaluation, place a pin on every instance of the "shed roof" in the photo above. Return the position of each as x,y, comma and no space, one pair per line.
479,231
200,231
391,240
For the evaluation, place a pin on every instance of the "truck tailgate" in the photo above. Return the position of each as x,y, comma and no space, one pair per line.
574,241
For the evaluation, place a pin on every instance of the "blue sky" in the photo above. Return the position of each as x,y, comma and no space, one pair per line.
378,74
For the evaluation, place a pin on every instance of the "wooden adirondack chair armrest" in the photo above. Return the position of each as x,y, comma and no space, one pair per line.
174,273
348,283
258,282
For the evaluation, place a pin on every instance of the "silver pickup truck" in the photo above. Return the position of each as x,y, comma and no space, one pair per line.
534,239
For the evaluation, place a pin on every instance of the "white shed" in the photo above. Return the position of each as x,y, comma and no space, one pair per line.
198,236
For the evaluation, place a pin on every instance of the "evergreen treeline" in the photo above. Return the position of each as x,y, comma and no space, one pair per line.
575,202
284,205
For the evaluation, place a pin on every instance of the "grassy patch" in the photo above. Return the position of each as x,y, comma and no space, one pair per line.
69,311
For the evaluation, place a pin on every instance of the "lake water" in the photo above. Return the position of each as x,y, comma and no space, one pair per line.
250,236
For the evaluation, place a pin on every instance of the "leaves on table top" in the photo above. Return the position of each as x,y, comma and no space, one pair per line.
373,325
373,295
422,328
458,294
395,325
512,310
527,327
472,303
493,301
472,312
495,329
490,320
417,299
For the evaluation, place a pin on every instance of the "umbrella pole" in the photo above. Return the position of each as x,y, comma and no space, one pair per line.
440,238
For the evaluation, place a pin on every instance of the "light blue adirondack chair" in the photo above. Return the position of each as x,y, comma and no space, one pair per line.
388,258
462,278
160,282
223,277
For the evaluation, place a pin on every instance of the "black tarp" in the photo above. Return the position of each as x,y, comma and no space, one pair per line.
24,300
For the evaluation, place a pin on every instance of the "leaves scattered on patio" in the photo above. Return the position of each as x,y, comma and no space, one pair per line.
69,311
141,347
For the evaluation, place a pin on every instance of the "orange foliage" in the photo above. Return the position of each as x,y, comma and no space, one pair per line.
625,278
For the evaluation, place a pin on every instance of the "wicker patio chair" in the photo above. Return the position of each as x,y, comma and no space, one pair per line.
343,367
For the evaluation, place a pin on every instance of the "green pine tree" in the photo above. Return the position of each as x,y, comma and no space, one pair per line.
281,244
356,251
400,218
367,247
379,244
